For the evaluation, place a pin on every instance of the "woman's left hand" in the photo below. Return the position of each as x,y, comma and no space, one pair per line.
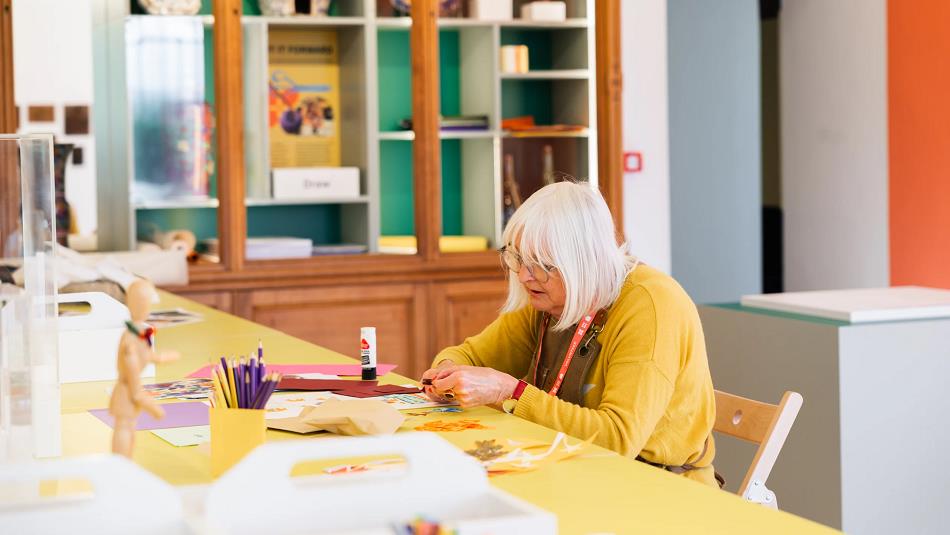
473,386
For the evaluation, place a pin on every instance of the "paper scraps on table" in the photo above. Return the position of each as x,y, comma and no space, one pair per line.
343,387
347,370
486,450
440,426
289,404
185,436
436,410
512,456
182,389
370,466
185,414
162,319
413,401
352,417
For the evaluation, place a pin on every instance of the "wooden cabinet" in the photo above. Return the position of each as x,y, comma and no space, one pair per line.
461,309
413,320
332,316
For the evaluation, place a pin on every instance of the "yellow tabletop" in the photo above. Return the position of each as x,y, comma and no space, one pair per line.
598,492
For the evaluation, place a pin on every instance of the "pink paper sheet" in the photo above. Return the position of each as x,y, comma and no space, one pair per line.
292,369
176,415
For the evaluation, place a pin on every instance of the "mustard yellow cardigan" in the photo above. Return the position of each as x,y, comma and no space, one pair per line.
650,392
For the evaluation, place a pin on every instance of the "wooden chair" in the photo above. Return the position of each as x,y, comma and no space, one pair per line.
761,423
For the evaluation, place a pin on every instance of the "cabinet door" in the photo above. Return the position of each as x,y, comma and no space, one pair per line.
332,317
462,309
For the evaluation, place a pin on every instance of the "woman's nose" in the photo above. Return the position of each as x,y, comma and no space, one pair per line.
524,274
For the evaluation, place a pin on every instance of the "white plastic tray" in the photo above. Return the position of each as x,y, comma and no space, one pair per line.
440,483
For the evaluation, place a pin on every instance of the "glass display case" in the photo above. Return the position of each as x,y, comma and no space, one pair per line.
29,381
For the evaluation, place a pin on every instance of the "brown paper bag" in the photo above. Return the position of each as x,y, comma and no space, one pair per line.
344,417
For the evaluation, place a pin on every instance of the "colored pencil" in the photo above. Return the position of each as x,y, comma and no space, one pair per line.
218,372
247,388
260,394
255,378
233,383
260,349
217,390
266,390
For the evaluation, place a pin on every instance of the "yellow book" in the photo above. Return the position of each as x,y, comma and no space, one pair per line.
447,244
303,98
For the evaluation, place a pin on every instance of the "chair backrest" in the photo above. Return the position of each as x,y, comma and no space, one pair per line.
762,423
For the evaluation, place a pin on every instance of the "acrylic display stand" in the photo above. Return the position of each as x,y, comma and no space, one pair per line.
29,382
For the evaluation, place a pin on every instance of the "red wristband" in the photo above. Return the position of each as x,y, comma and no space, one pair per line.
519,390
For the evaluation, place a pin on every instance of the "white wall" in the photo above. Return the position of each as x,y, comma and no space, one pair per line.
834,143
52,47
646,195
715,147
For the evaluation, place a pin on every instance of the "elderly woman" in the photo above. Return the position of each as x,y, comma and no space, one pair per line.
590,342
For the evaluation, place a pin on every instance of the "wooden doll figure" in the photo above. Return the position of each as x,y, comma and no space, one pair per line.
135,352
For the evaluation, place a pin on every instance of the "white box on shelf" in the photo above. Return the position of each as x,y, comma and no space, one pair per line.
397,496
316,182
490,9
547,11
89,342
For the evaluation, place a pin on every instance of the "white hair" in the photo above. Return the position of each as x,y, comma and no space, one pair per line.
568,226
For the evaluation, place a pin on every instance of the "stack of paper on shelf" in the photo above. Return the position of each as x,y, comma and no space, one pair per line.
270,248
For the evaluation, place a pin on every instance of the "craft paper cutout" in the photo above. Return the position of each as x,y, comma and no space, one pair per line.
186,414
296,383
183,389
440,426
348,370
350,417
413,401
523,456
185,436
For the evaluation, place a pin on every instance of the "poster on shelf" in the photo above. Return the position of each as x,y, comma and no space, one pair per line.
303,98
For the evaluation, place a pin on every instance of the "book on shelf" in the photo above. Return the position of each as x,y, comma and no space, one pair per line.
524,126
454,122
303,98
269,248
338,249
447,244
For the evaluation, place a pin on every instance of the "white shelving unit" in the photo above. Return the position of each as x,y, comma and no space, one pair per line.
566,84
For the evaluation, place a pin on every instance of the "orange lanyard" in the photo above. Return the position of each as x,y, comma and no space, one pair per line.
568,357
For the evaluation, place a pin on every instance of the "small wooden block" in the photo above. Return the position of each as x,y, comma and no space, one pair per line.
41,114
77,119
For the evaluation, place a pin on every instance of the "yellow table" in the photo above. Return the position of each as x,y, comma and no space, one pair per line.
598,492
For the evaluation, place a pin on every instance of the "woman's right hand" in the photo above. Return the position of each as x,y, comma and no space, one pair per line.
441,370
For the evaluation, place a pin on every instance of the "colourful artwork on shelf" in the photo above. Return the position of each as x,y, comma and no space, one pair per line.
303,98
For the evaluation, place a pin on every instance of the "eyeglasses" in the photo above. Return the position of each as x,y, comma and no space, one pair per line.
512,261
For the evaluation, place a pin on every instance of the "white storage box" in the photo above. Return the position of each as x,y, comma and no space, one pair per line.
89,342
316,183
124,498
544,11
489,9
440,483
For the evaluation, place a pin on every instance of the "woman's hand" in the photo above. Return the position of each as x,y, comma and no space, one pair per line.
473,386
442,369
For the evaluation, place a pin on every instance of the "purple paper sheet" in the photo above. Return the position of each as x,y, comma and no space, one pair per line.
176,415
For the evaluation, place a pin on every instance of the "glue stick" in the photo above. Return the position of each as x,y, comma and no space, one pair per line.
368,352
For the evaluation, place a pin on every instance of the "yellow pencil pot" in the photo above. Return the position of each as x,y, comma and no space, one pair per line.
234,433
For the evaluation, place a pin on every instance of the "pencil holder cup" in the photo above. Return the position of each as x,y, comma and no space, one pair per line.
234,433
